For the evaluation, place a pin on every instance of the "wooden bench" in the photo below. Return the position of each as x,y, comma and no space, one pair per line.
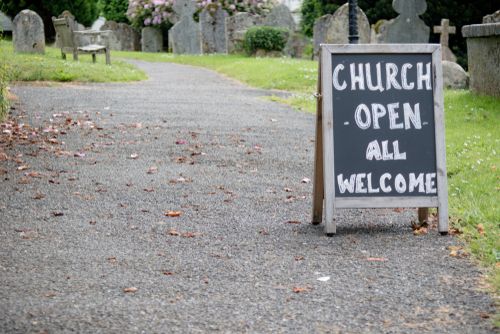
69,42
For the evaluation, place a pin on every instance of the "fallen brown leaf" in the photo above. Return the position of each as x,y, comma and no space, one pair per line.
130,290
299,258
58,214
480,229
38,196
264,232
171,213
293,222
173,232
23,167
152,170
298,289
168,273
188,235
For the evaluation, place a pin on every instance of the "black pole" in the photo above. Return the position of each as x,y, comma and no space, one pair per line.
353,22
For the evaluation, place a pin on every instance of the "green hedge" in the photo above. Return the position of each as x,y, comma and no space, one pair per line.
265,38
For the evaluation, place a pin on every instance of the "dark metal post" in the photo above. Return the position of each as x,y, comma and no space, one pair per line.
353,22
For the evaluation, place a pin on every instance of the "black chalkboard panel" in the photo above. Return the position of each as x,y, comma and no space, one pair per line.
383,125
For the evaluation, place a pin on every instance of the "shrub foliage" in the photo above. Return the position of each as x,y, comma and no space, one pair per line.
265,38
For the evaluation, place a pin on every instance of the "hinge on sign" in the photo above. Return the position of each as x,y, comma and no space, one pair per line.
318,95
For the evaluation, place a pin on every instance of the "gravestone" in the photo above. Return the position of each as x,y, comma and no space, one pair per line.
492,18
408,27
185,35
336,28
5,22
213,31
28,33
280,17
151,39
483,53
319,32
123,36
81,40
445,29
98,23
454,76
236,27
296,45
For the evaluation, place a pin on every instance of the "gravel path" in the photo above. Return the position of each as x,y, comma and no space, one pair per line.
83,221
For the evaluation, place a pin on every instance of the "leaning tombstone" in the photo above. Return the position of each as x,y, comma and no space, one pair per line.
5,23
28,34
445,30
236,26
492,18
334,29
185,35
454,76
483,53
151,39
408,27
213,30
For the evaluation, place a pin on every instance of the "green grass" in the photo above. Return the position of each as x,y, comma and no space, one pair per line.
51,67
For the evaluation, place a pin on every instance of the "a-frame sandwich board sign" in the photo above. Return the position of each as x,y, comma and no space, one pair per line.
380,140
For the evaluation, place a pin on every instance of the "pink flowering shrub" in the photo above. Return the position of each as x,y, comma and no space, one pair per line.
143,13
236,6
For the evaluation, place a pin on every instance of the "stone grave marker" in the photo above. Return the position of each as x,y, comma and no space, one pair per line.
483,53
213,31
454,76
236,27
445,29
28,33
123,38
408,27
280,16
334,29
151,39
5,22
185,35
492,18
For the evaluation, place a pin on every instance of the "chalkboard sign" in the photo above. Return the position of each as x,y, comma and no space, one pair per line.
380,130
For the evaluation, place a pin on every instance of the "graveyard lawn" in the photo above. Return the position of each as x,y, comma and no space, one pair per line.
51,67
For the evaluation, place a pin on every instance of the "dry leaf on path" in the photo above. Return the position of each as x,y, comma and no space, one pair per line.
171,213
130,290
173,232
293,222
152,170
298,289
305,180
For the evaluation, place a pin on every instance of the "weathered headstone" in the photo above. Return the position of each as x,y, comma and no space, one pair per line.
185,35
5,22
454,76
236,27
408,27
213,31
28,33
296,45
334,29
280,16
483,53
151,39
445,29
492,18
123,36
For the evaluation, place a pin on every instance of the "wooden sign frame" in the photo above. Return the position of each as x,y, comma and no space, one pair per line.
324,169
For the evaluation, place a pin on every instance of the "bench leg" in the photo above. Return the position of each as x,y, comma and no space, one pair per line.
63,55
108,57
75,56
93,58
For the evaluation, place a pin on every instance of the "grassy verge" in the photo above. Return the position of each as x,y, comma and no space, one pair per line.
472,140
50,67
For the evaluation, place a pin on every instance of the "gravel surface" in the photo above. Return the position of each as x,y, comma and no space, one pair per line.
86,246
